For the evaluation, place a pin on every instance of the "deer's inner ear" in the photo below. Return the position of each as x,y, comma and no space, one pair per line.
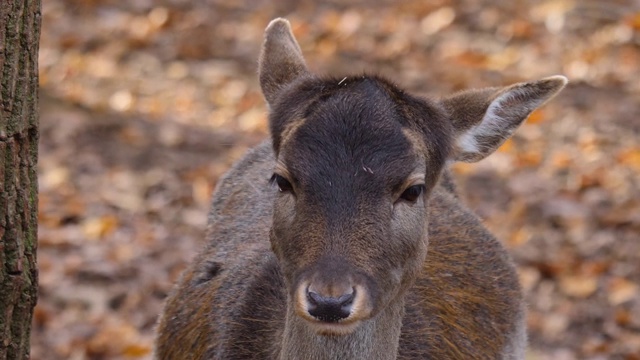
484,119
281,61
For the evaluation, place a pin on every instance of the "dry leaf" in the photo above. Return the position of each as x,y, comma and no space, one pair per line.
97,228
630,157
537,116
578,286
113,339
137,350
620,290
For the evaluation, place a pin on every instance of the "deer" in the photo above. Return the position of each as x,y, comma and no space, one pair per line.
343,237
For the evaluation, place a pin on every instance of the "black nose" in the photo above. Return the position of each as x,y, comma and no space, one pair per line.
330,309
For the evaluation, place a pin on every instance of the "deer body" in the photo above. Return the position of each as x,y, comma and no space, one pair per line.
357,248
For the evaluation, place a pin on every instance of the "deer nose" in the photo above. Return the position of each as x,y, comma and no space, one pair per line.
330,309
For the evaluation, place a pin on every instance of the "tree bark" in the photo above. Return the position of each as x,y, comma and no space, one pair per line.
19,36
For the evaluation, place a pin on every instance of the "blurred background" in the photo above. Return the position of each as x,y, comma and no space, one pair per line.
146,103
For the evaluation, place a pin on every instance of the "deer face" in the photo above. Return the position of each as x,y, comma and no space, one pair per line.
353,181
356,161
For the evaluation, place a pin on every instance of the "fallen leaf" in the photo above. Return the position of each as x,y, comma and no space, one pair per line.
578,286
137,350
97,228
630,157
620,290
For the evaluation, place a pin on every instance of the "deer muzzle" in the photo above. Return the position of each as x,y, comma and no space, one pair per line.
333,302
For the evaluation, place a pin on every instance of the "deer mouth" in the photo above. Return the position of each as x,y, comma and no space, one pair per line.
340,328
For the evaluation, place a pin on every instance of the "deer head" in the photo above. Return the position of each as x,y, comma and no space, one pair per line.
357,159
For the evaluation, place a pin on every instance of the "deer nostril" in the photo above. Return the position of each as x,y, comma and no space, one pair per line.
329,309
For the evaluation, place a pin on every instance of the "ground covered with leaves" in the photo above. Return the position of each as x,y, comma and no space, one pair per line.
145,104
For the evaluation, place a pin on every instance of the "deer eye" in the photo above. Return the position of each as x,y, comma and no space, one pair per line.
412,193
283,184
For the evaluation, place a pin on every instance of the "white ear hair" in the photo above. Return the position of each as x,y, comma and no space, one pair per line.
493,120
507,109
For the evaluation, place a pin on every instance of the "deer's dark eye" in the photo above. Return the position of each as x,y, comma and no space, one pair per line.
412,193
283,184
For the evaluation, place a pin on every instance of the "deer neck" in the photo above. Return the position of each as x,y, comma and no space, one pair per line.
374,339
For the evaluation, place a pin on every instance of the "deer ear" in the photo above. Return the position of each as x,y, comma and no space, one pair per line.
484,119
281,60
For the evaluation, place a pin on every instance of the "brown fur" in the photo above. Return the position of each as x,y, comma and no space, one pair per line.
430,282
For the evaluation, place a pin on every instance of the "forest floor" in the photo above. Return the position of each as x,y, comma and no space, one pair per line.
145,104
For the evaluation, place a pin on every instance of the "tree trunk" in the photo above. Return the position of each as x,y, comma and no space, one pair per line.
19,35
